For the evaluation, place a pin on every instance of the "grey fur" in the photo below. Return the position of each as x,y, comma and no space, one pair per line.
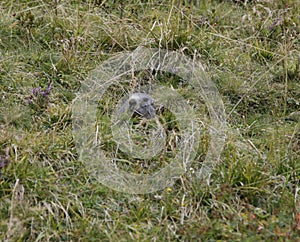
139,103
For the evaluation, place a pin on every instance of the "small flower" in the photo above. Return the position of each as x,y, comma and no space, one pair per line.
36,91
46,92
29,101
169,189
39,98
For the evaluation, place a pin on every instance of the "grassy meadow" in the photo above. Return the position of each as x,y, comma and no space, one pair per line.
250,50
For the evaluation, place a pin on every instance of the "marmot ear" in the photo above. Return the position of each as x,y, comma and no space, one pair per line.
132,104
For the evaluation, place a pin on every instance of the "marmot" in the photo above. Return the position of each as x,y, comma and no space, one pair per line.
140,104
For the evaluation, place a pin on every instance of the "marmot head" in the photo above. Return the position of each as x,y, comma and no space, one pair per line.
140,104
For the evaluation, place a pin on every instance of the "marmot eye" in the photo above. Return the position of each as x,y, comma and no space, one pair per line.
145,99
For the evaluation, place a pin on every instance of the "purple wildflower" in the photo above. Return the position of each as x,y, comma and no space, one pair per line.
46,92
39,97
36,91
29,101
39,92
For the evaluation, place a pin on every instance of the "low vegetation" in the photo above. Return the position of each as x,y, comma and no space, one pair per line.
251,51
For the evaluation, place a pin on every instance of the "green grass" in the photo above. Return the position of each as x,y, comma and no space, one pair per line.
251,52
